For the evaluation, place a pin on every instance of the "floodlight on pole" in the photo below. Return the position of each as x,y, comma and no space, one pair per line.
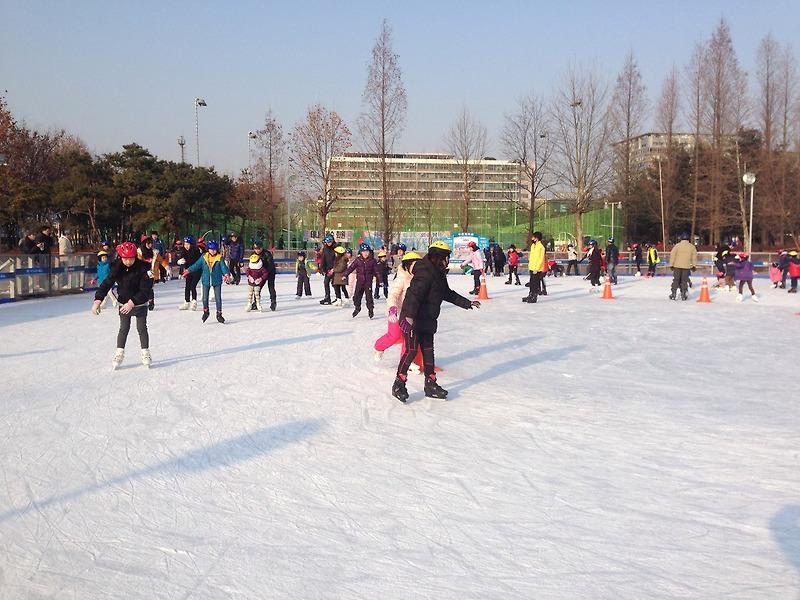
250,136
750,179
197,103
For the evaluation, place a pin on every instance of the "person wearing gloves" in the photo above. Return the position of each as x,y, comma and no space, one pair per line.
134,282
366,269
213,272
190,255
394,302
682,261
474,260
419,316
536,268
256,276
103,269
325,264
303,270
744,274
235,257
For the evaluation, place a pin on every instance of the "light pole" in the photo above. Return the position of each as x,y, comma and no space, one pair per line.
250,136
750,179
197,103
613,205
661,192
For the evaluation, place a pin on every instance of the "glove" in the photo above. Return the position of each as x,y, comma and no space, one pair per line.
93,281
184,275
330,273
126,308
694,269
474,304
251,281
392,314
227,278
96,307
258,281
150,275
181,261
406,324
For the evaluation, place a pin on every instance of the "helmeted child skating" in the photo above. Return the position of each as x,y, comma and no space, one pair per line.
339,279
303,270
366,269
513,265
213,272
188,257
475,261
133,290
793,270
744,274
103,269
652,261
419,318
256,273
383,268
394,302
775,275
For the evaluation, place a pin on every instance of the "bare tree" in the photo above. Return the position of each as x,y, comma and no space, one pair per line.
268,190
526,138
467,141
627,112
696,114
580,115
383,119
667,111
321,137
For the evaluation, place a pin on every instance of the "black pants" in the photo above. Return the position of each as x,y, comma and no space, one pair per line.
303,283
361,290
236,270
594,277
339,289
140,312
270,283
414,341
191,285
327,283
572,266
512,272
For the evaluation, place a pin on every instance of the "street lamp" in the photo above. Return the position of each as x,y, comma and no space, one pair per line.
250,136
750,179
197,102
661,193
613,205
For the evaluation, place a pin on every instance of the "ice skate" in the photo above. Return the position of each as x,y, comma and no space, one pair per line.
672,296
399,390
272,306
194,304
325,300
258,304
220,318
739,297
151,305
755,298
205,315
433,389
356,311
118,358
337,303
346,303
297,297
184,306
249,307
146,357
377,356
684,296
370,313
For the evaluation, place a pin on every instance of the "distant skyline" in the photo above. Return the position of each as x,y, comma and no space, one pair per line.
112,73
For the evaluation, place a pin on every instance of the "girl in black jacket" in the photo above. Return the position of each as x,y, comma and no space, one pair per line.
134,284
419,318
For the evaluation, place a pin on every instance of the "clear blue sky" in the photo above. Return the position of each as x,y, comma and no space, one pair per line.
115,72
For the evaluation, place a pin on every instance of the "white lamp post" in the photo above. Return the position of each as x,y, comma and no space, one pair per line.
250,136
197,102
750,179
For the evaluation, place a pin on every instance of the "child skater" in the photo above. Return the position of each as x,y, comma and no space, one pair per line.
189,256
340,264
256,275
419,318
744,273
147,255
383,267
365,268
103,268
394,302
303,270
134,284
214,271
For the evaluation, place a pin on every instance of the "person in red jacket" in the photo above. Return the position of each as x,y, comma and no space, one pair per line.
513,264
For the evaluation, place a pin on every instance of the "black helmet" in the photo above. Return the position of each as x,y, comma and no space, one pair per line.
257,244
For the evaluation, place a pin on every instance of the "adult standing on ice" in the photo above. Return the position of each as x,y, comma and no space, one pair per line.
191,254
134,283
682,261
326,259
419,318
536,267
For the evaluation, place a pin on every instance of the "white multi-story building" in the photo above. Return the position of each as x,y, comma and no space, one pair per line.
648,148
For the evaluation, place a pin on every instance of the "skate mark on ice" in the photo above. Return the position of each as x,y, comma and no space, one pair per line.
222,454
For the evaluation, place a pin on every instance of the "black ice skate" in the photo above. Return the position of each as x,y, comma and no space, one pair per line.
205,315
399,390
220,318
433,389
325,300
356,311
370,313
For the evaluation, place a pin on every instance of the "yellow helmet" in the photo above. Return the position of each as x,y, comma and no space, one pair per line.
254,258
339,250
381,253
102,253
439,247
411,256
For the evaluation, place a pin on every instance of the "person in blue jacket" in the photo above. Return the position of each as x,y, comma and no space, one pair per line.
235,257
213,272
103,269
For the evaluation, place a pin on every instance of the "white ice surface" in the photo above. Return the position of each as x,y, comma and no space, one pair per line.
623,449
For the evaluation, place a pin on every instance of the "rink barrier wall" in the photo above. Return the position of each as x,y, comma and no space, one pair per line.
33,276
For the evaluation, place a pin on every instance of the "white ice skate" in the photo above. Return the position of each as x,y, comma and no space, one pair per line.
346,303
755,298
738,297
146,357
337,303
297,297
377,356
258,304
184,306
194,304
118,358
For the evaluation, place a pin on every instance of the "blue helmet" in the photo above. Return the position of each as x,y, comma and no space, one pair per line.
348,250
363,247
402,247
316,248
301,253
611,240
593,242
684,236
327,238
188,240
105,243
212,245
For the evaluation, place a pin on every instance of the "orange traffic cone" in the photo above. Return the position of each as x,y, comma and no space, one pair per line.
482,294
418,361
704,297
607,295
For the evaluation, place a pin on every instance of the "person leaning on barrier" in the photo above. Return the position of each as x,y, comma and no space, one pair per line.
27,245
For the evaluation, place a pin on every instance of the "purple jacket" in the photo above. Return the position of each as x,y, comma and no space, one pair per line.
365,270
744,270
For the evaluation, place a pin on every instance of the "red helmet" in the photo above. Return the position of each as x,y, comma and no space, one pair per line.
145,238
126,250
